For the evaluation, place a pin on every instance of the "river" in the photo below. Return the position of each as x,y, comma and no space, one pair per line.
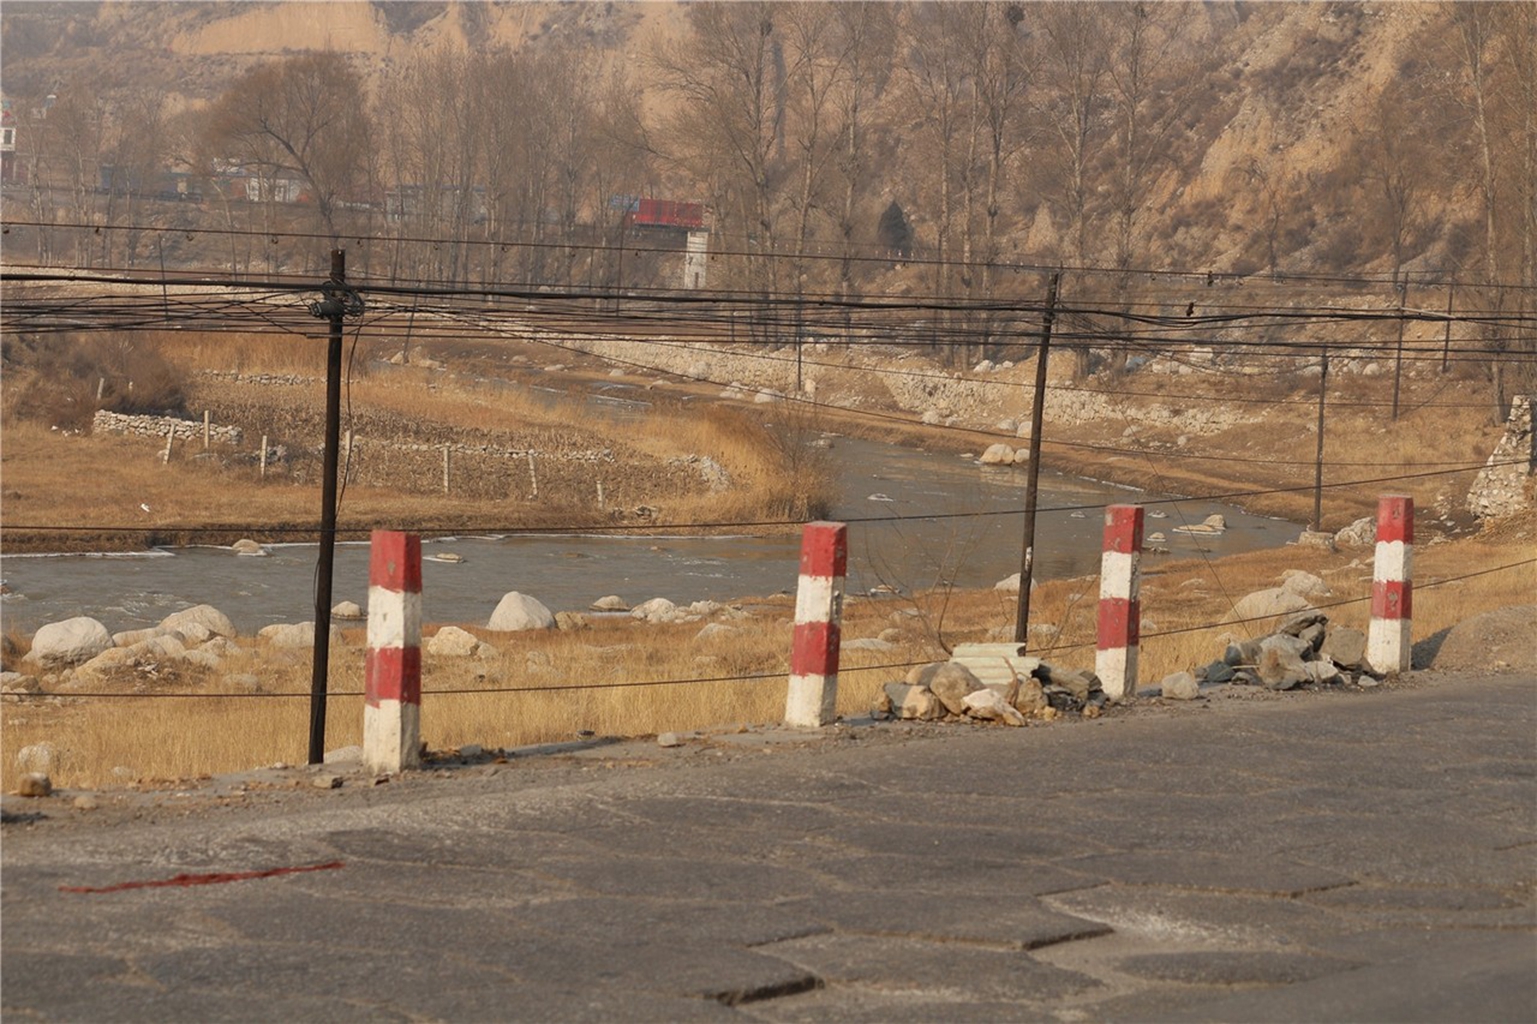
885,493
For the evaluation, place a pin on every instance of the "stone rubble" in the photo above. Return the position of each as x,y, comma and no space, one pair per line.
1305,650
1505,485
1028,688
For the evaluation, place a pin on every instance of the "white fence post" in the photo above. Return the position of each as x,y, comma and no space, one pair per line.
813,694
393,670
1120,608
1388,639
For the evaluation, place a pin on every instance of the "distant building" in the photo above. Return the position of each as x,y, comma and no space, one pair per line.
413,202
660,213
10,166
236,181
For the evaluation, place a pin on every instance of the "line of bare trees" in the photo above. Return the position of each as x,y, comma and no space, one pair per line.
1000,132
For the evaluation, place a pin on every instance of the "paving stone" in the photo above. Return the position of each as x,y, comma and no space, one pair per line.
864,1005
1477,977
682,878
1201,918
958,875
1451,900
440,847
996,843
1018,923
754,815
1217,967
744,923
1184,869
912,965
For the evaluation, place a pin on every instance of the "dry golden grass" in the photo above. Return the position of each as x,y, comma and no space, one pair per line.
162,739
93,484
707,682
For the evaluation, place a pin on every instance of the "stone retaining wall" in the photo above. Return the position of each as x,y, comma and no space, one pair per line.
1500,490
105,422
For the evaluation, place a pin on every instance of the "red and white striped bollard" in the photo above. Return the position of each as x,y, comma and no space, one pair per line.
1388,643
813,695
1120,610
393,672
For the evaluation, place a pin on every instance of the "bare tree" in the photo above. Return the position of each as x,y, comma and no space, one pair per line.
867,39
1075,62
138,155
936,79
1393,168
726,79
1150,82
304,116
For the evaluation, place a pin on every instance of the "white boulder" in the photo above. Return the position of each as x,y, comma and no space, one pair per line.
453,642
658,609
71,642
206,615
998,455
518,612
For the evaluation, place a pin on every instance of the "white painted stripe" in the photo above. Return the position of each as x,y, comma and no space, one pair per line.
1389,645
1117,671
815,597
811,701
394,618
1118,576
1393,561
391,736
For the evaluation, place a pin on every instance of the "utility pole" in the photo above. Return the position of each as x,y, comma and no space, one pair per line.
1446,340
338,301
1398,363
1318,461
1037,412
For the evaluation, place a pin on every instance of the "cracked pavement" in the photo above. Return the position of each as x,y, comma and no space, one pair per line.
1360,855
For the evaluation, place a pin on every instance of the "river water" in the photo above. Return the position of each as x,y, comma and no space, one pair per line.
885,493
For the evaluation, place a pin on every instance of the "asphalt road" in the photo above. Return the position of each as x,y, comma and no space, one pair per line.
1340,856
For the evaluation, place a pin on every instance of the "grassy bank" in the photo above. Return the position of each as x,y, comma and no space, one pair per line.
556,684
71,490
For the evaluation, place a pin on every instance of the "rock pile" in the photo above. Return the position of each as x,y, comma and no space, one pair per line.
79,651
1504,485
1306,650
982,682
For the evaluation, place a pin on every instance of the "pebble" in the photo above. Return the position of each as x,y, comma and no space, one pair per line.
86,802
1181,686
669,739
326,782
35,784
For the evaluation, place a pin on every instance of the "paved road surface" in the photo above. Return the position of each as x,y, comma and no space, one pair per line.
1352,856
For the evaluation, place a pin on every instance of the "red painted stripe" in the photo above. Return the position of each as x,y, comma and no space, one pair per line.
1120,623
824,549
1392,599
1123,528
395,561
1395,518
393,673
815,649
212,878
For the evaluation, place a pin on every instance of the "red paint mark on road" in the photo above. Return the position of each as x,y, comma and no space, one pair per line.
213,878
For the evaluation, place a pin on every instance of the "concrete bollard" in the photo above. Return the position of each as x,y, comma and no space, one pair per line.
1120,610
1388,643
813,695
393,671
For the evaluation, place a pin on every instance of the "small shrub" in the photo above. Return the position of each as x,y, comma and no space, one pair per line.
57,381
